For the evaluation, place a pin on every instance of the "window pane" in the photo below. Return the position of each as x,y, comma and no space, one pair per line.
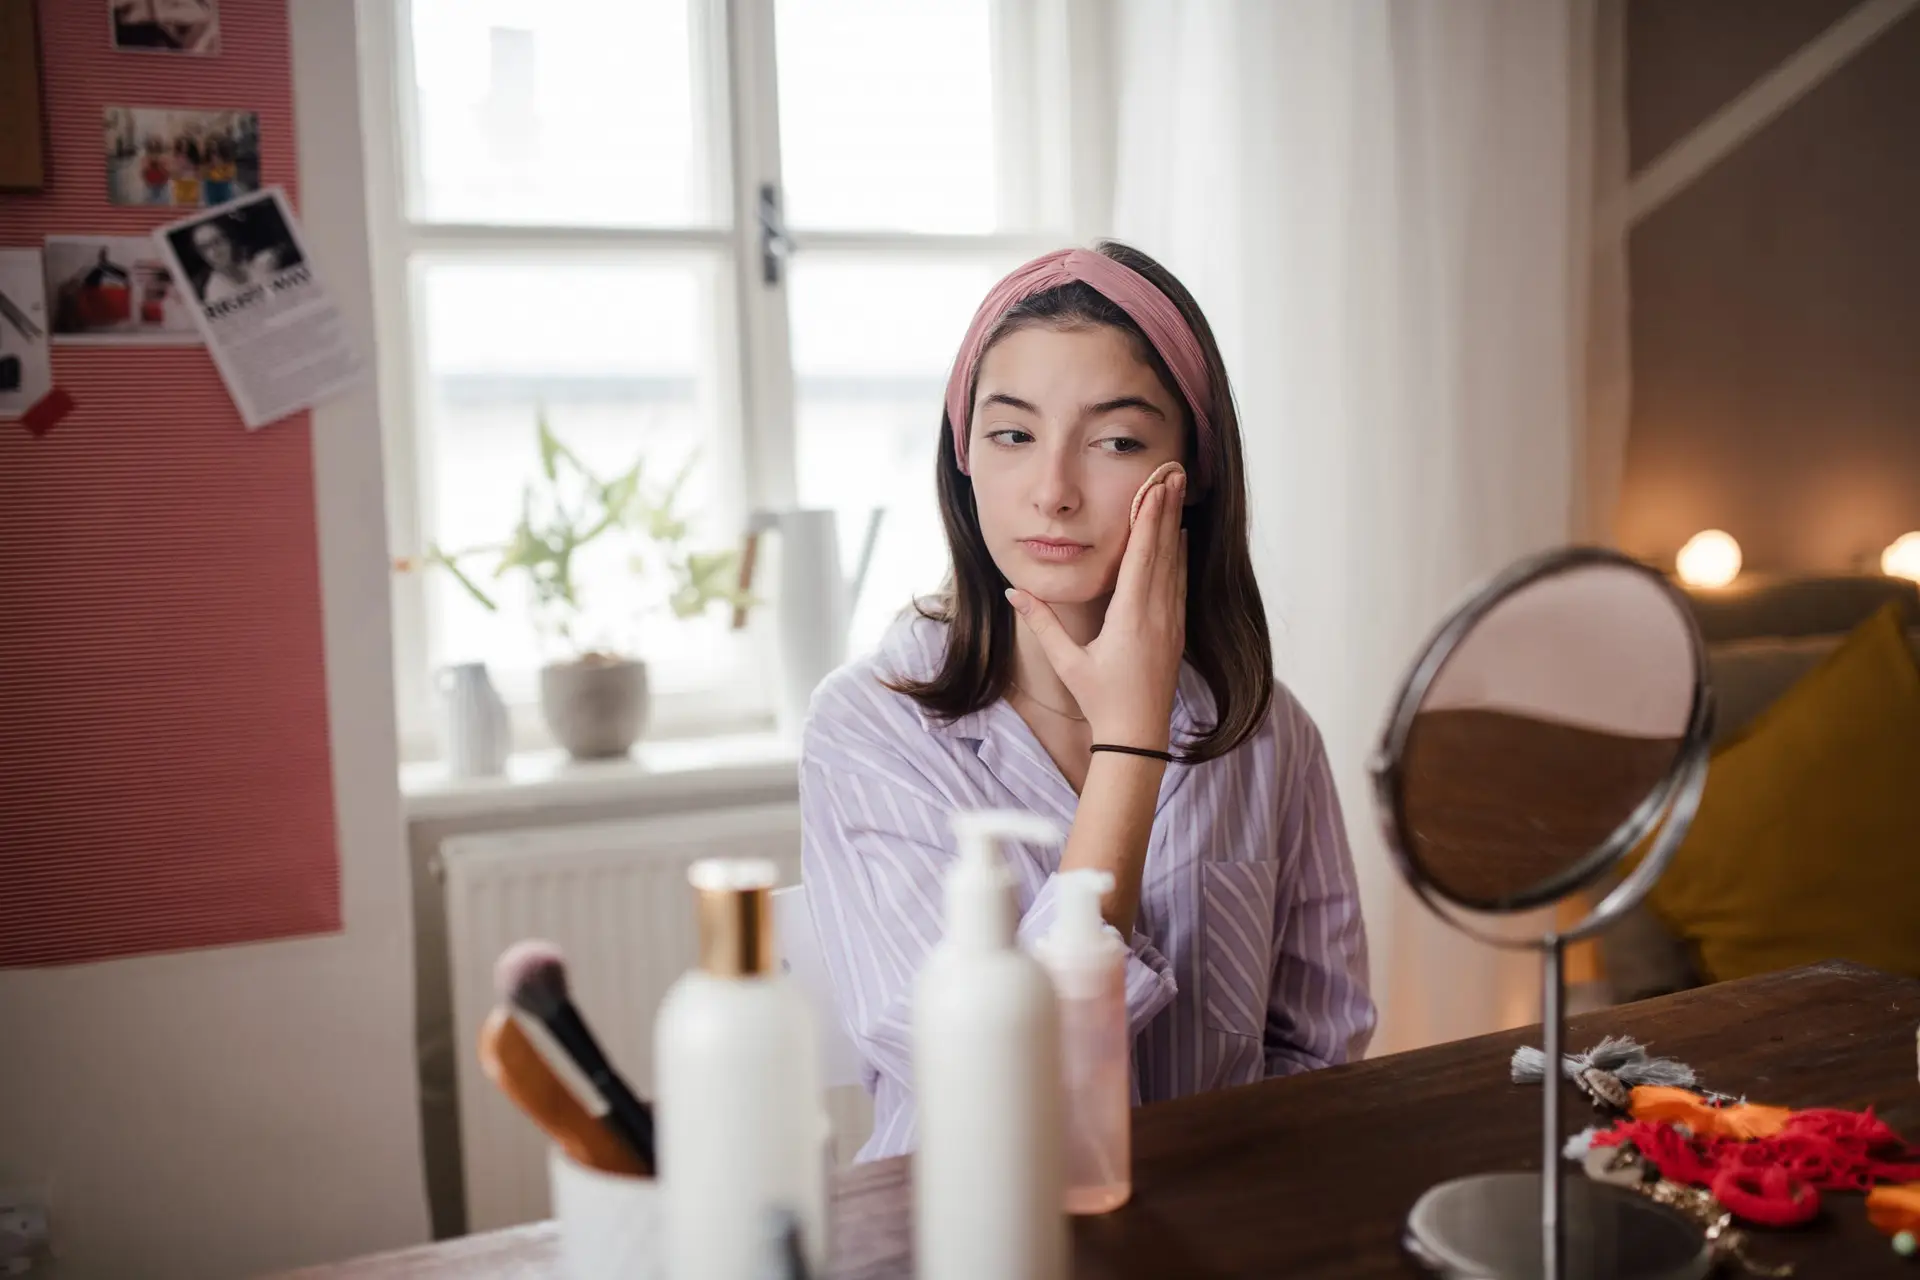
887,114
623,357
562,111
872,343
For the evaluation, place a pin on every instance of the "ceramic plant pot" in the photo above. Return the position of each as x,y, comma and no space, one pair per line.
596,705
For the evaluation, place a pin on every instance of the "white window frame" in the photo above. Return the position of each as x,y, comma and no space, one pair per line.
757,453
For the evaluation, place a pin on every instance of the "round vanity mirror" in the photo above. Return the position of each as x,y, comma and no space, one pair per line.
1557,722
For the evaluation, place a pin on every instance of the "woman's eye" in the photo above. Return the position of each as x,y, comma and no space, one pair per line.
1122,444
1009,436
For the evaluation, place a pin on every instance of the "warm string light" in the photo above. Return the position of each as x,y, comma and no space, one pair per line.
1711,558
1901,559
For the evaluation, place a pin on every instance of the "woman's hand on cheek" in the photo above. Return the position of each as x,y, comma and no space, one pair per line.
1124,679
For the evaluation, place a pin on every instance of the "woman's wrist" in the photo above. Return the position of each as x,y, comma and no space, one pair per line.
1141,735
1114,822
1143,753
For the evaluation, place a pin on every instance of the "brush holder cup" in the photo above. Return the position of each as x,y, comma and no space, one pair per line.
611,1225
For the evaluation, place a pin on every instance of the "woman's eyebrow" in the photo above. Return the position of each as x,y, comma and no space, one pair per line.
1124,402
1091,411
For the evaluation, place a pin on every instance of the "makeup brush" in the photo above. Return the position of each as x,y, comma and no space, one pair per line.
517,1068
532,976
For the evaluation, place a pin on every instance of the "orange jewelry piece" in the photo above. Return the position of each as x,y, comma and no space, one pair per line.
1894,1209
1741,1121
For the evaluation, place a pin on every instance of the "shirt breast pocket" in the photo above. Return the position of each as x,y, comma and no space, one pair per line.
1237,901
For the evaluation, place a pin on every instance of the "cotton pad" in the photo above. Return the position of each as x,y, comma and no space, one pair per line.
1160,473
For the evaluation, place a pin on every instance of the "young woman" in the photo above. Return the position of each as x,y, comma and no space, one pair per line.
186,173
219,171
230,271
155,174
1063,633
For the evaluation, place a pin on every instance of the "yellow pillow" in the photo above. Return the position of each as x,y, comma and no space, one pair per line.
1807,843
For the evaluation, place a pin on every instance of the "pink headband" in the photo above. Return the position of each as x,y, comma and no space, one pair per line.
1121,285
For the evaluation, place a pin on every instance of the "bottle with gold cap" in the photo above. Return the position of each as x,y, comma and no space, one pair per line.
742,1130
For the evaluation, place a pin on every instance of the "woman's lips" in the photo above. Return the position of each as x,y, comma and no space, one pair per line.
1052,550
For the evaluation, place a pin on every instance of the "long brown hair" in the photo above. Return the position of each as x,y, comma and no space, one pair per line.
1227,640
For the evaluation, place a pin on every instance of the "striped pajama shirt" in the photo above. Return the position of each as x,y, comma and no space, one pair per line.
1249,957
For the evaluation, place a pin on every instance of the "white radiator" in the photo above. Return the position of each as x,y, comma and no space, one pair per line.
615,898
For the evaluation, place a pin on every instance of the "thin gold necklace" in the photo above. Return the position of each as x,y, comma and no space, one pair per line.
1065,715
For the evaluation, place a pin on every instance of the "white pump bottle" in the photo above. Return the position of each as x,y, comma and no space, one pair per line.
988,1181
1088,962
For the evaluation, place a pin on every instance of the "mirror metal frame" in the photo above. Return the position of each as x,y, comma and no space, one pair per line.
1674,800
1669,807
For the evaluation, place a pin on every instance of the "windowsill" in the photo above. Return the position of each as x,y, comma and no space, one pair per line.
548,779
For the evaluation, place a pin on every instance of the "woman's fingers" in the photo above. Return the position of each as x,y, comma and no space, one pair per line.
1180,583
1062,653
1167,531
1176,487
1136,562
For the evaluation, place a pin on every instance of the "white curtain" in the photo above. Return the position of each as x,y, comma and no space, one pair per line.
1385,208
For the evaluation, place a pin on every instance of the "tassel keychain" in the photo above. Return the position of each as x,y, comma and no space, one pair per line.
1608,1072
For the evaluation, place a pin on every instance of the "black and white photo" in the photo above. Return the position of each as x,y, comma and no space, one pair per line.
274,333
166,26
225,254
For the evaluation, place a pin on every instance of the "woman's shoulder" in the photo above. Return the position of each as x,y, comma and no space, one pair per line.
1290,723
858,702
1287,733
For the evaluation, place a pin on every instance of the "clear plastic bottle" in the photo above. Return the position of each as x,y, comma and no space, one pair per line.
1088,962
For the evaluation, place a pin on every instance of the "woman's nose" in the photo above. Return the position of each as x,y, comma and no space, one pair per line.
1057,487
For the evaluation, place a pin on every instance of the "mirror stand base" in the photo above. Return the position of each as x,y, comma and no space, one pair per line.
1487,1227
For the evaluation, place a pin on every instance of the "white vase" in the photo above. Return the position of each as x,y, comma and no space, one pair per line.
813,602
479,737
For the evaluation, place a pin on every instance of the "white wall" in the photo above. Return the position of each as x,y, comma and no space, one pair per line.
228,1112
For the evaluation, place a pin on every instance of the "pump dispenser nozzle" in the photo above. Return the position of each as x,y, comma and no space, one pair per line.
977,830
981,911
1081,948
1079,922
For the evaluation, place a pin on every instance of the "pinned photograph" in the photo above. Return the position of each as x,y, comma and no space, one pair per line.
166,26
235,253
26,373
274,333
111,290
179,158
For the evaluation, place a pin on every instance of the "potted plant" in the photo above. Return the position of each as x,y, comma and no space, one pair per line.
593,696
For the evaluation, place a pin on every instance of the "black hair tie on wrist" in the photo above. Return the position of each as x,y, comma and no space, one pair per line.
1148,752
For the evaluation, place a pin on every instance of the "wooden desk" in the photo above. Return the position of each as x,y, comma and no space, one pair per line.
1311,1176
